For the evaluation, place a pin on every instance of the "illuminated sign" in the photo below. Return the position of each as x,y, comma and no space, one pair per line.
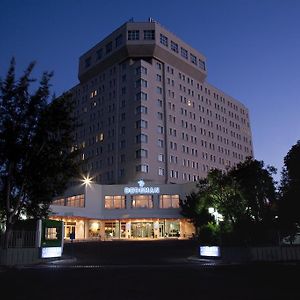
48,252
141,189
211,251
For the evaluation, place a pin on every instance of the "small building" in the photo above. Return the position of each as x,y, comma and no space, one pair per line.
133,211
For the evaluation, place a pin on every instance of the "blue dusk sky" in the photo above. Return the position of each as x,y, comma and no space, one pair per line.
252,49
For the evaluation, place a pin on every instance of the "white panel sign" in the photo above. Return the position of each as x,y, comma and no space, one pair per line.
48,252
212,251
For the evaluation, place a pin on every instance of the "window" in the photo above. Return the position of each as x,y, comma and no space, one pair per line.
119,40
114,202
75,201
51,233
193,59
141,83
141,124
141,96
160,129
142,168
160,157
141,153
99,53
160,143
159,90
88,62
141,70
169,201
142,201
142,138
184,53
141,109
158,77
160,115
60,202
202,64
149,35
174,47
133,35
161,172
108,47
163,40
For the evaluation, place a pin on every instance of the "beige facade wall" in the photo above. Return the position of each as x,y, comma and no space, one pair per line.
184,128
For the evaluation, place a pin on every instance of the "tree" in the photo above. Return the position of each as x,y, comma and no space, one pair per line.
244,196
36,137
289,208
257,187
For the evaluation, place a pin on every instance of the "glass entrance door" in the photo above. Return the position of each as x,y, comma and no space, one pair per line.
142,229
69,228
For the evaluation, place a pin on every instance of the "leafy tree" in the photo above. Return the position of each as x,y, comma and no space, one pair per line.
244,196
289,207
257,188
195,207
35,142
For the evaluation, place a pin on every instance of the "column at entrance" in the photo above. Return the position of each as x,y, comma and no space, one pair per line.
128,230
156,229
102,230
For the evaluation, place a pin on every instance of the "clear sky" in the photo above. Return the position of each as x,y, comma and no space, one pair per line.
252,49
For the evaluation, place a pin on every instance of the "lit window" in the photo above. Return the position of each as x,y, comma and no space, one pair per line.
60,202
169,201
75,201
142,201
114,202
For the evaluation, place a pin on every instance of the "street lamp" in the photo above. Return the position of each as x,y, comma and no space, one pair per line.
87,180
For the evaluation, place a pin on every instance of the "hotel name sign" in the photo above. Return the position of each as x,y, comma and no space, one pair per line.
141,189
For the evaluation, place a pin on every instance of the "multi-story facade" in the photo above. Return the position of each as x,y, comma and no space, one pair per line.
147,112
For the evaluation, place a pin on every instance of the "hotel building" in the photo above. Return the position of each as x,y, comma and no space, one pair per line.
147,115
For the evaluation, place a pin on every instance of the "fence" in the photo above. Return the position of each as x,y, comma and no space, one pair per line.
22,248
20,239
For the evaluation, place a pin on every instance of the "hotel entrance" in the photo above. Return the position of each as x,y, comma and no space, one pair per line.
142,230
69,228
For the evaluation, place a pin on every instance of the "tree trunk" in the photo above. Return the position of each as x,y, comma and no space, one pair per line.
7,235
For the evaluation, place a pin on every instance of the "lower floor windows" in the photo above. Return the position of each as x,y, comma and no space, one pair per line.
169,201
114,202
142,201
